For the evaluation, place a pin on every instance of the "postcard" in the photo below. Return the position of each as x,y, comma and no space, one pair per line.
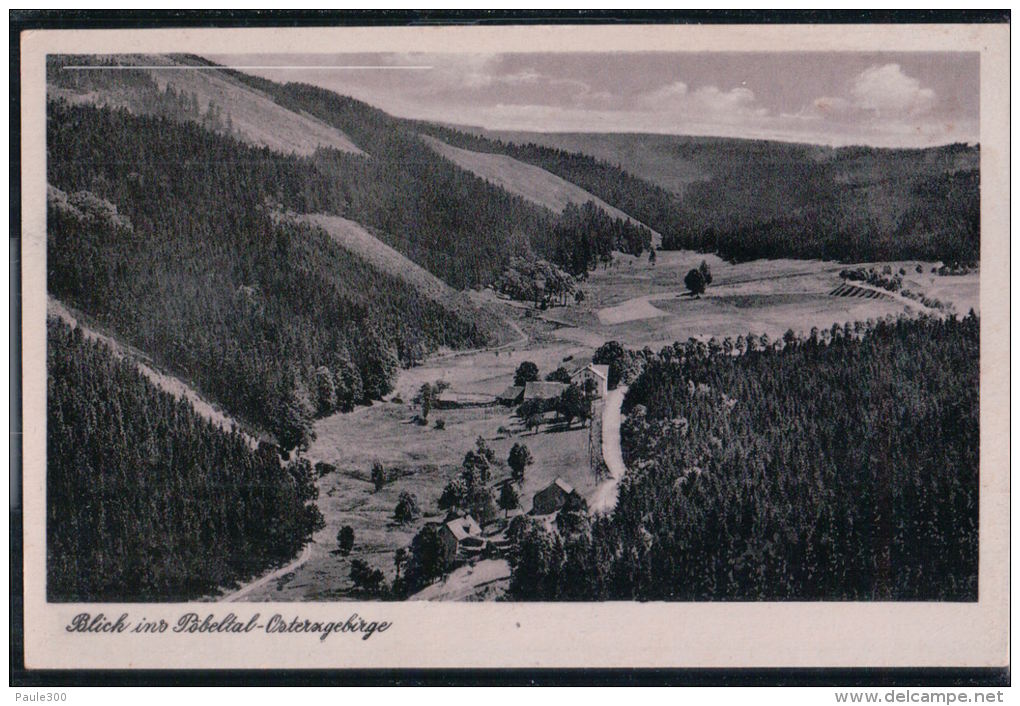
519,346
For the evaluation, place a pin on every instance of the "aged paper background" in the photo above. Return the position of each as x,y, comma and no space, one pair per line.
562,634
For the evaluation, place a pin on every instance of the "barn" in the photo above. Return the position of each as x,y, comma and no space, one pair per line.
543,393
551,498
451,399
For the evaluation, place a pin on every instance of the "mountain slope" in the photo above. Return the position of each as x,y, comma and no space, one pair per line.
208,97
533,183
145,499
749,199
163,233
654,158
355,238
179,389
457,225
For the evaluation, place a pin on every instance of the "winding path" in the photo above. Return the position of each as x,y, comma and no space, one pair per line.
259,583
181,390
604,497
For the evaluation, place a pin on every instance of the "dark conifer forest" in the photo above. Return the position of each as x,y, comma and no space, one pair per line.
169,235
146,499
772,199
842,467
449,221
199,268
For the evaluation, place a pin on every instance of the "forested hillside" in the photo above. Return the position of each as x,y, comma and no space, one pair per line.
169,236
451,222
758,199
837,468
140,488
444,218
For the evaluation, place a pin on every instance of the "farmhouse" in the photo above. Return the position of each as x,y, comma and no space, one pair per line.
595,375
460,534
551,498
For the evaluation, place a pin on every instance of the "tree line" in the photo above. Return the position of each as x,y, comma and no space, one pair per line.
836,467
148,501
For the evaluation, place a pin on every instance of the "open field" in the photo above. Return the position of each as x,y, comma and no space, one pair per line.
475,582
759,297
640,304
419,460
353,236
526,180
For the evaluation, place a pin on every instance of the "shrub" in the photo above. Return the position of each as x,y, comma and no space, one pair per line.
366,578
407,508
322,468
526,372
378,476
345,539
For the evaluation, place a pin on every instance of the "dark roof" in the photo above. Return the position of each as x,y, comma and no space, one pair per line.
543,390
510,393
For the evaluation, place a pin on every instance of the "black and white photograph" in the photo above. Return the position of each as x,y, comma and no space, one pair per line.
499,325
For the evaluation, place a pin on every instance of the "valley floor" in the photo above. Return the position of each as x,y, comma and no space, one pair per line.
632,302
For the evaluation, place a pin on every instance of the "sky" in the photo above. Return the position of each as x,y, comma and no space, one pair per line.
883,99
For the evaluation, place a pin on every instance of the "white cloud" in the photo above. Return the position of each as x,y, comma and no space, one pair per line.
526,76
879,103
888,92
734,103
881,96
832,106
707,102
669,93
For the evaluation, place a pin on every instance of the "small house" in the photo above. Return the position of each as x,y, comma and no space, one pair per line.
511,395
551,498
460,534
594,376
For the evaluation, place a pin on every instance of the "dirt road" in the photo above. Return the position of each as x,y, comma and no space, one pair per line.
259,583
604,497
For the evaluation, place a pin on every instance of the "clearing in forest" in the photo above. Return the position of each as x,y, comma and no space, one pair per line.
526,180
